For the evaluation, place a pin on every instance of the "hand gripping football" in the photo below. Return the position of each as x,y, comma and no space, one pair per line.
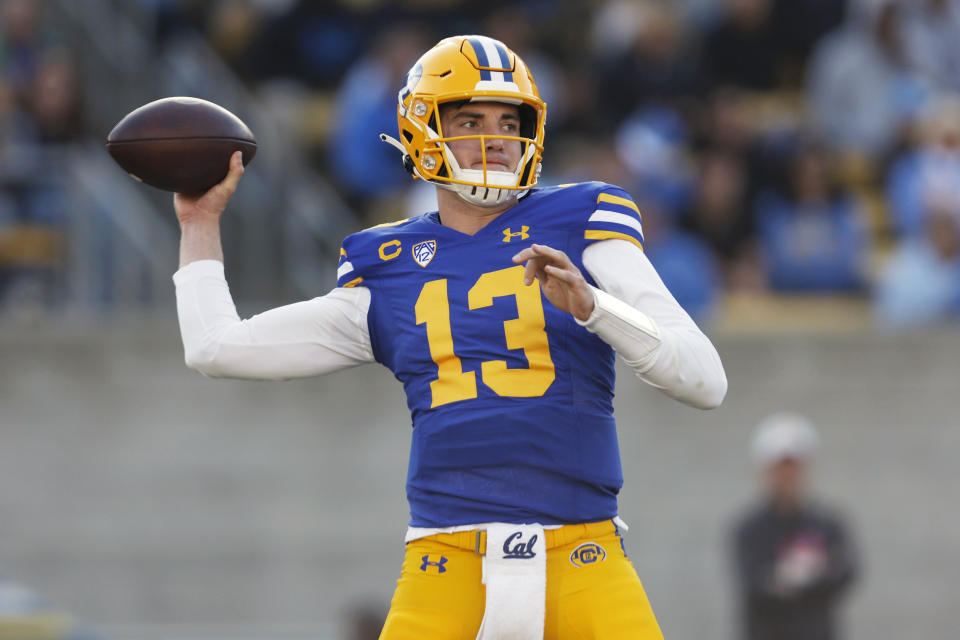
180,144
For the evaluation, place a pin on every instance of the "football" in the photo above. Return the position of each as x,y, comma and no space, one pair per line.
180,144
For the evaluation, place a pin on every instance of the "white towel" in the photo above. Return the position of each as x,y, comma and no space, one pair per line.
515,572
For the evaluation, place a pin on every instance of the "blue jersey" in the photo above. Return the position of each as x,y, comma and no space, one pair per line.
511,400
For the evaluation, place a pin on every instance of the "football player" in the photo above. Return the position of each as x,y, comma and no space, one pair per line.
500,312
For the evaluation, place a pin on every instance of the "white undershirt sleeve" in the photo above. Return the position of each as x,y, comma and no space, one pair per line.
304,339
637,316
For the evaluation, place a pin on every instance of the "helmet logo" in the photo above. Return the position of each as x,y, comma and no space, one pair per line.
413,76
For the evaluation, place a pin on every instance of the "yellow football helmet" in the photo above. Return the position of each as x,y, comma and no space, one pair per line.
474,69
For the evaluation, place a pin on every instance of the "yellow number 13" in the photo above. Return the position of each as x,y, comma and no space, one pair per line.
526,332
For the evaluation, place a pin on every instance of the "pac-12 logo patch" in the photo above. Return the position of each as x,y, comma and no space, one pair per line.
588,553
423,252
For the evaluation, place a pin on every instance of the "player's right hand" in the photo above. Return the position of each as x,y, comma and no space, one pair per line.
207,207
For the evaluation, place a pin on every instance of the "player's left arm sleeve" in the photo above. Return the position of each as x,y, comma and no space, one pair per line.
637,316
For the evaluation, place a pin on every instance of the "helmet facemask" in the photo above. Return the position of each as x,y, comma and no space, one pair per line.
482,186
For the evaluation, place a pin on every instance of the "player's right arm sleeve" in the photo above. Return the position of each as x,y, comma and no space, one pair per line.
299,340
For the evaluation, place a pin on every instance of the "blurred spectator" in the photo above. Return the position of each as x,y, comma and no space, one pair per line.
652,144
653,64
580,158
314,44
862,88
683,260
21,42
933,31
729,123
34,198
233,29
744,49
54,99
720,214
799,26
813,237
366,107
920,284
930,172
793,559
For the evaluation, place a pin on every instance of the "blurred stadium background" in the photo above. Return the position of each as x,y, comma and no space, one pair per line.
798,166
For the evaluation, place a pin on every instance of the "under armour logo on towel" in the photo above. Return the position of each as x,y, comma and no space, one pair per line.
519,550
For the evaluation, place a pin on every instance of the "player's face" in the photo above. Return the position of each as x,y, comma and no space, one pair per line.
488,119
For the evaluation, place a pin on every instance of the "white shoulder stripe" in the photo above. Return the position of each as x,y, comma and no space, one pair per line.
344,269
602,215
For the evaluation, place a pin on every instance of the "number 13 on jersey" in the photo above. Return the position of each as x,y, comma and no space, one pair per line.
525,332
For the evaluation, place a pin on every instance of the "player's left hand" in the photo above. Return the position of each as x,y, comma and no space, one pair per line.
560,279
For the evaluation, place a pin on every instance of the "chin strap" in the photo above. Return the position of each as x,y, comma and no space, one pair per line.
393,142
407,160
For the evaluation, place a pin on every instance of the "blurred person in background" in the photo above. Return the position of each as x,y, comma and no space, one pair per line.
799,26
747,47
729,122
653,144
720,213
22,42
365,106
684,261
812,235
505,346
919,286
928,172
39,107
54,99
862,85
655,65
933,31
793,559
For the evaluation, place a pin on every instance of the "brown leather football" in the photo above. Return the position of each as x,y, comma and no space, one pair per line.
180,144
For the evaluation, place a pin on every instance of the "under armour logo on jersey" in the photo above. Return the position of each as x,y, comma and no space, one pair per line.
423,252
521,550
509,234
439,565
588,553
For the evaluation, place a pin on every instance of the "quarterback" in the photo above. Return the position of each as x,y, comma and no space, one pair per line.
500,313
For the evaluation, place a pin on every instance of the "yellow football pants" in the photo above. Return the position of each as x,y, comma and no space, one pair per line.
593,592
